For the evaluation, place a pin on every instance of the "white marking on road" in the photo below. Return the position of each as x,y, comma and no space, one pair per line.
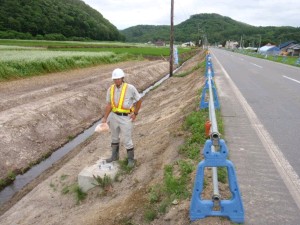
291,79
286,171
256,65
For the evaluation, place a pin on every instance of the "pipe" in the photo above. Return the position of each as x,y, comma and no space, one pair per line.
215,136
216,195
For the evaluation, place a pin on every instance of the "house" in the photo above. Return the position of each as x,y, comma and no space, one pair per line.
294,49
160,43
283,47
231,44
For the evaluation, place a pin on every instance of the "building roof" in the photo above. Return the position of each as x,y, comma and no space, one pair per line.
295,47
285,44
269,48
273,50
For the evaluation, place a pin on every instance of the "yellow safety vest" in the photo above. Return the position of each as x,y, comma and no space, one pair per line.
118,107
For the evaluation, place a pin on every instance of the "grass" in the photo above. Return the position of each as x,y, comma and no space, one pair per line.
104,183
92,46
146,51
11,175
124,169
15,66
290,60
21,58
80,195
150,215
175,186
177,178
222,174
49,44
44,55
67,186
77,191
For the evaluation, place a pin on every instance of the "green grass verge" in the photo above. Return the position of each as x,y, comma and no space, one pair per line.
290,60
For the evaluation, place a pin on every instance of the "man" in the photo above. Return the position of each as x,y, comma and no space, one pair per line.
123,104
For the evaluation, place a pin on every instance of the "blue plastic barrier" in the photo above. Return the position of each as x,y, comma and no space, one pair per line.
203,103
233,208
209,70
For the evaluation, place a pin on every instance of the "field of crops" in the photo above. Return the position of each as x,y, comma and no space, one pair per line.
19,58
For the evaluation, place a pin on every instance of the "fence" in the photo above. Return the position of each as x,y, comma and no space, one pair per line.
215,154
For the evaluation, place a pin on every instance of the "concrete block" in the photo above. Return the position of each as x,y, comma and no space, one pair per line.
86,180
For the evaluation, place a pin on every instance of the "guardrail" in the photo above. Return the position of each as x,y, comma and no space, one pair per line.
215,154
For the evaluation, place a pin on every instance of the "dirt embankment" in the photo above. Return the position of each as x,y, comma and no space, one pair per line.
40,114
157,137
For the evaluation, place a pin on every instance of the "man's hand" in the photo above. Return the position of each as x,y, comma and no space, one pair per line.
133,117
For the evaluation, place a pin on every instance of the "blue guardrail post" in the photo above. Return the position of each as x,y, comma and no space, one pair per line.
203,103
232,208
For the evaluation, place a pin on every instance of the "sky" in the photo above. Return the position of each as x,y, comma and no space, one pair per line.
128,13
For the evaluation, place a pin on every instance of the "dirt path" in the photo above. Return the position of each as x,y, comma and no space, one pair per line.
157,136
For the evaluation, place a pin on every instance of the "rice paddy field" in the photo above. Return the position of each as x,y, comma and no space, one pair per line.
19,58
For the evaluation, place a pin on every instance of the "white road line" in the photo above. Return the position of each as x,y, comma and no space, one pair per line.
256,65
291,79
284,168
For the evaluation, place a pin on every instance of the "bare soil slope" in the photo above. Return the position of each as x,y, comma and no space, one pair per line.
157,137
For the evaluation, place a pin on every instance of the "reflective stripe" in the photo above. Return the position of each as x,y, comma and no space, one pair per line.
114,105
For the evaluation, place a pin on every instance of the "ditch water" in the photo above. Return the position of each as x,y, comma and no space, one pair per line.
22,180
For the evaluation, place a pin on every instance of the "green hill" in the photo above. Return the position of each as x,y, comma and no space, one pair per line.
54,19
217,28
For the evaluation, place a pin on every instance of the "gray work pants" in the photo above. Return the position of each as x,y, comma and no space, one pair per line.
121,126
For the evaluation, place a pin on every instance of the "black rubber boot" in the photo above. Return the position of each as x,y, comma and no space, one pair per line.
130,155
114,153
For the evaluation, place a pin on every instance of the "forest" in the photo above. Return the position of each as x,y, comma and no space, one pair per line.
54,20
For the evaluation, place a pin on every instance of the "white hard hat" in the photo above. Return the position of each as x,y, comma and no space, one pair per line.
117,74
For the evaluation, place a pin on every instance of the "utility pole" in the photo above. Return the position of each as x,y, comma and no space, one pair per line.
171,38
259,43
241,42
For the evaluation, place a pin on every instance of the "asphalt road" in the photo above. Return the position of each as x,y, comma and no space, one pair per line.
260,103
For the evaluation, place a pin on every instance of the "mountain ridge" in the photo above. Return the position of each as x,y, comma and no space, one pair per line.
217,28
